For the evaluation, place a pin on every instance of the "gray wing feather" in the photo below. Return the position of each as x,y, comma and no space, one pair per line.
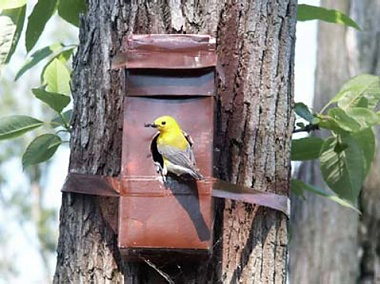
181,158
189,149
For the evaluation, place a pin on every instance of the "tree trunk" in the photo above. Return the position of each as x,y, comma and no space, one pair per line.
255,45
365,58
325,235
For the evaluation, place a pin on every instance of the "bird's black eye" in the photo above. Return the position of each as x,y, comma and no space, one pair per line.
163,122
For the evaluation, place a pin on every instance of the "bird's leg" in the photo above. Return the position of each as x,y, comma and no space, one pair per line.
158,167
161,170
164,172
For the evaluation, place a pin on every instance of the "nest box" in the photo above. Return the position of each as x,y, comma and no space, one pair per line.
164,75
167,75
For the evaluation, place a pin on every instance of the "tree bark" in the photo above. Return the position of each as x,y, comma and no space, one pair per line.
255,46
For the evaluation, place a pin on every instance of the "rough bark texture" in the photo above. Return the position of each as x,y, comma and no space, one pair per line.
255,115
365,58
256,49
326,246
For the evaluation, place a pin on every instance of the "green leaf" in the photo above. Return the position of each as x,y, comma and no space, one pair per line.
308,13
307,148
343,171
37,20
57,78
343,120
366,141
359,91
303,111
62,56
37,56
41,149
339,147
362,102
11,23
330,124
11,4
296,189
57,121
69,10
297,185
16,125
364,116
55,100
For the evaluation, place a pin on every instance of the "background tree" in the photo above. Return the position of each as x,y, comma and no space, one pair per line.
364,57
325,236
28,225
256,48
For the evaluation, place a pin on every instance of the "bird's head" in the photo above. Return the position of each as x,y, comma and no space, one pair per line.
164,124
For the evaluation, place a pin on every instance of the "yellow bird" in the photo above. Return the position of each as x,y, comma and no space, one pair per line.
175,147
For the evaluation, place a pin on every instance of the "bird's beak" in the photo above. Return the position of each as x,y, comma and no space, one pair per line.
150,125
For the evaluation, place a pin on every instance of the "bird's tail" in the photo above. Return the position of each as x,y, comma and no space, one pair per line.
197,175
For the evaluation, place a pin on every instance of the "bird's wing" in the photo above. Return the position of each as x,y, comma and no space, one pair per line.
189,149
184,158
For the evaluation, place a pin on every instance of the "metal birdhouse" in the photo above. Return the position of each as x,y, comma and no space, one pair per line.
160,211
166,75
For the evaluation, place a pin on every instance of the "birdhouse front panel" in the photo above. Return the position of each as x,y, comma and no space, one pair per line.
194,115
167,152
174,220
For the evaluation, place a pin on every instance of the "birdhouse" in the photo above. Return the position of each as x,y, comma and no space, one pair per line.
163,215
166,75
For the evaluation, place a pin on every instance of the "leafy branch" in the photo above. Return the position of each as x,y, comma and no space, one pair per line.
345,156
55,76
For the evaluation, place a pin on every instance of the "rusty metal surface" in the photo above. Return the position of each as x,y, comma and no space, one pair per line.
222,189
154,186
165,51
172,221
111,186
92,184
